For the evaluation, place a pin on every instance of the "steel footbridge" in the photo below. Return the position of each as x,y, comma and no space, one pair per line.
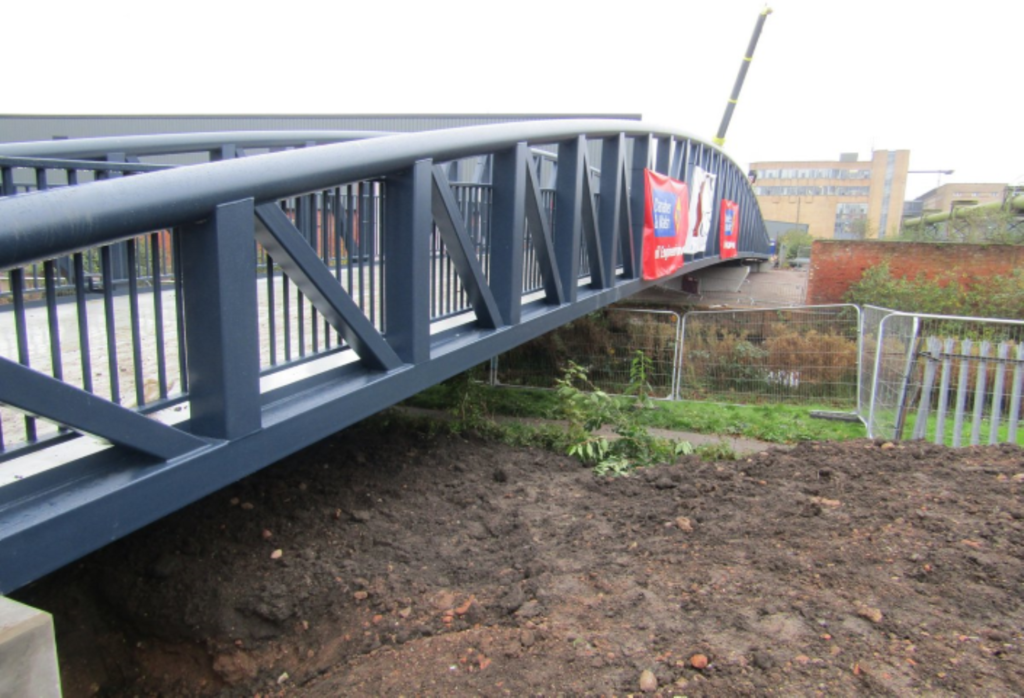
167,329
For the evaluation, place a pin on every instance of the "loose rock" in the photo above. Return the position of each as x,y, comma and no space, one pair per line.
648,681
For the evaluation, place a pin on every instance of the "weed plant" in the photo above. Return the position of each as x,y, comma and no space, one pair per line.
587,409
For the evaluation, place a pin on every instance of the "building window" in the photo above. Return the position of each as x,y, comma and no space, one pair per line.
851,222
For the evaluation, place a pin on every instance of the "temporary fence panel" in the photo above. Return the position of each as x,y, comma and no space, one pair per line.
805,355
606,343
871,320
951,380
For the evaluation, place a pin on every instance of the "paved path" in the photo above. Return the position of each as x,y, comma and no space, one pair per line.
741,445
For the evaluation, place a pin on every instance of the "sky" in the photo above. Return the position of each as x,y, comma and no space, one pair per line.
936,78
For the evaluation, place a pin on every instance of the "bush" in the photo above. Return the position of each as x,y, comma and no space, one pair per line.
945,294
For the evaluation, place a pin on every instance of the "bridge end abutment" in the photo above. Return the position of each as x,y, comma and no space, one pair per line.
28,652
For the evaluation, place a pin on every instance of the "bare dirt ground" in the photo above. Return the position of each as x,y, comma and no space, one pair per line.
388,561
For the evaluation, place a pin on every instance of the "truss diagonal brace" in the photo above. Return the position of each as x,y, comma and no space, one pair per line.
448,219
601,263
540,234
43,396
288,248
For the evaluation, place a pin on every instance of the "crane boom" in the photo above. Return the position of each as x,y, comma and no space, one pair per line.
731,106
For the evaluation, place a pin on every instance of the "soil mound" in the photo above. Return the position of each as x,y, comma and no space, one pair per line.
391,561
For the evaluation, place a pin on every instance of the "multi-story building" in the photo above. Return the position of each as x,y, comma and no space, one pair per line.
846,198
941,199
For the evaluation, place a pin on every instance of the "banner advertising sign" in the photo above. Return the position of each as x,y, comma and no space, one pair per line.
666,223
702,209
729,233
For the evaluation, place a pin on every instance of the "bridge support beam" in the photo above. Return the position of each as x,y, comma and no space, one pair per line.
221,331
642,148
614,213
507,230
28,652
568,214
407,251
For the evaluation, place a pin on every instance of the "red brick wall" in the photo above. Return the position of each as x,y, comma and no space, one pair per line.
838,264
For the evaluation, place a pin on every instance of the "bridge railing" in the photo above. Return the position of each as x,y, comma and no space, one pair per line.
271,300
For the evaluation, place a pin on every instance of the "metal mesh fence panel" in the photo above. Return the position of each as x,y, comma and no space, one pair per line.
802,355
606,344
951,380
871,319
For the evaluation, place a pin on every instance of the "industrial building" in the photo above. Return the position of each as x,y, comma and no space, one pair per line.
843,199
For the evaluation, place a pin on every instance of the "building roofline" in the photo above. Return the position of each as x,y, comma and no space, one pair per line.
530,116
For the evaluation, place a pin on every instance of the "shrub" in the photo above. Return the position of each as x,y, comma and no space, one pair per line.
945,294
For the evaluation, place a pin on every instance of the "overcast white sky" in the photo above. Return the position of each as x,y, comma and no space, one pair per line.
937,78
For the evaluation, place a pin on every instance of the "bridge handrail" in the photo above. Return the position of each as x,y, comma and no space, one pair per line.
42,225
176,143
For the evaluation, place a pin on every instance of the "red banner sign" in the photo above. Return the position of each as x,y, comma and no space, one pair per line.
666,223
729,230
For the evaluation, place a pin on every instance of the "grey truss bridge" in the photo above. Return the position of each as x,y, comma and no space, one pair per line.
167,329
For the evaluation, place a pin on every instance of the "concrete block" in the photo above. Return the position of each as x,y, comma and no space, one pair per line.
28,652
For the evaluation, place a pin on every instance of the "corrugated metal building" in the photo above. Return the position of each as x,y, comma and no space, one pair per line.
27,128
33,127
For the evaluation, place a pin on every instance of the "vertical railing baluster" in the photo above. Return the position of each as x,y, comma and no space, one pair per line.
300,320
375,200
133,306
351,223
361,242
158,314
83,322
271,311
53,319
302,206
325,242
287,312
106,266
179,308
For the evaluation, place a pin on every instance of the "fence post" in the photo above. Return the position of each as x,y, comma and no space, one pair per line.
221,331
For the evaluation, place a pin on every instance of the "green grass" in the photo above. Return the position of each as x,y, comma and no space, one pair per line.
889,417
773,423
